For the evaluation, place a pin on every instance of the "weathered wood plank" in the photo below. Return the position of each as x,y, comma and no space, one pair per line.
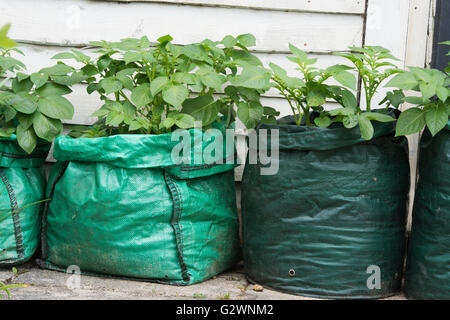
341,6
76,22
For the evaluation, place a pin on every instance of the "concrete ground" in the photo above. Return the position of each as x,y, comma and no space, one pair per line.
46,284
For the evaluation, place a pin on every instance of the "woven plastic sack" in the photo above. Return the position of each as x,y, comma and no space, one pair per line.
428,262
22,191
332,219
120,206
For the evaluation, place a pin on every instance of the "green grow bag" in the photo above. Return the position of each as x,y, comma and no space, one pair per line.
120,206
22,190
332,215
428,262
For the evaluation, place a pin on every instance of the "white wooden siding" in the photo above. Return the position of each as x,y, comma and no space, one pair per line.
76,22
340,6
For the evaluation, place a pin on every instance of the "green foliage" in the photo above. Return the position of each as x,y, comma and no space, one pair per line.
310,91
432,103
32,106
155,88
374,65
6,288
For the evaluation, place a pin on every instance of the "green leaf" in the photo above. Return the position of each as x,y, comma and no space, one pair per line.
8,112
315,98
346,78
248,94
158,84
103,62
175,95
103,111
26,138
183,77
9,63
322,121
46,128
404,81
366,127
247,40
229,41
184,121
243,57
114,118
166,38
252,77
56,107
24,103
25,120
141,95
442,93
21,85
89,70
269,111
421,74
126,82
69,80
378,116
250,114
167,123
202,108
195,52
6,42
53,89
298,53
341,112
436,118
416,100
64,55
337,68
290,82
410,121
349,100
111,85
428,90
350,121
395,98
59,69
39,79
6,133
212,80
132,56
22,76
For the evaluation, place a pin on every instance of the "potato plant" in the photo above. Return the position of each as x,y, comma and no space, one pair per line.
309,92
431,101
32,105
154,88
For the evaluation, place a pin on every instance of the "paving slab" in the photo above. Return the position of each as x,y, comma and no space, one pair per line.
54,285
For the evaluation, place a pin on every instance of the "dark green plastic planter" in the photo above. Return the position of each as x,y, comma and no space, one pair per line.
428,262
22,190
333,214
